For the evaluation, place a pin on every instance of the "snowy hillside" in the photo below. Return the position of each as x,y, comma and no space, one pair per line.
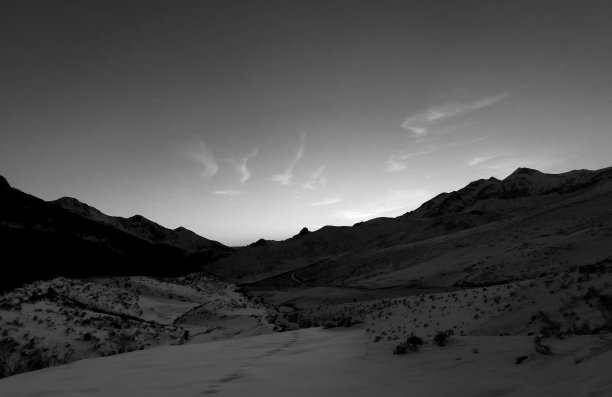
506,283
51,322
529,216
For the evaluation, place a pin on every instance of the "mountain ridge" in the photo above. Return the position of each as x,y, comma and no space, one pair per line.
481,202
42,240
520,183
142,227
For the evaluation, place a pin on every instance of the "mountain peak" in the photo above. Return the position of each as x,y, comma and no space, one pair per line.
138,218
523,171
302,232
74,205
258,243
184,231
69,200
145,229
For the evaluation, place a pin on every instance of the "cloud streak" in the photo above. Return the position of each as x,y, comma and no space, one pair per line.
327,201
205,157
228,192
420,123
399,161
316,178
286,177
243,168
478,160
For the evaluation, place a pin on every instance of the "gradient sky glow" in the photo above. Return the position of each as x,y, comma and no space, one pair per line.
243,120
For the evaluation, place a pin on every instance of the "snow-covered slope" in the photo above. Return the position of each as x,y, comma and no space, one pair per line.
61,320
523,182
518,272
317,362
527,207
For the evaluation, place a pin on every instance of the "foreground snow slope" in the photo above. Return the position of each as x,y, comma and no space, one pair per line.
57,321
315,362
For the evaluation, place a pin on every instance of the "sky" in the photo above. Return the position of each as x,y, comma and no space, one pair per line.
243,120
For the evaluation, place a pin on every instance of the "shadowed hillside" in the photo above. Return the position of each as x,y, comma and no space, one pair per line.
42,240
146,229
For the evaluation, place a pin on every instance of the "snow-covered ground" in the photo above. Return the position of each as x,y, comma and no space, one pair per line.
62,320
316,362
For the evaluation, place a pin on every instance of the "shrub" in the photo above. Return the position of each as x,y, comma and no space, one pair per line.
550,327
413,342
541,347
329,324
402,348
605,306
441,338
520,359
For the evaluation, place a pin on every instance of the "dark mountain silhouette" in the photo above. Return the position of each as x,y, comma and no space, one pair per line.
42,240
527,202
148,230
304,231
4,183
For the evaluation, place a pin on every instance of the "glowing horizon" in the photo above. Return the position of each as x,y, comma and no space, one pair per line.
252,120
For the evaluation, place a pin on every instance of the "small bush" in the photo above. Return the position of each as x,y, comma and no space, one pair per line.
412,343
414,340
605,306
402,348
329,324
541,347
549,327
441,338
520,359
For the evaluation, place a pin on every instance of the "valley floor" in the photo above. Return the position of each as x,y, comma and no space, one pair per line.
335,362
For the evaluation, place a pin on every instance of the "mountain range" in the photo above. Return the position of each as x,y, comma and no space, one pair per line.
489,231
66,237
143,228
491,265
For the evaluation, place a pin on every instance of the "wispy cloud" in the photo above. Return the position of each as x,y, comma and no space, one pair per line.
316,178
390,201
420,123
396,163
328,201
228,192
286,177
487,158
243,168
205,157
399,161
